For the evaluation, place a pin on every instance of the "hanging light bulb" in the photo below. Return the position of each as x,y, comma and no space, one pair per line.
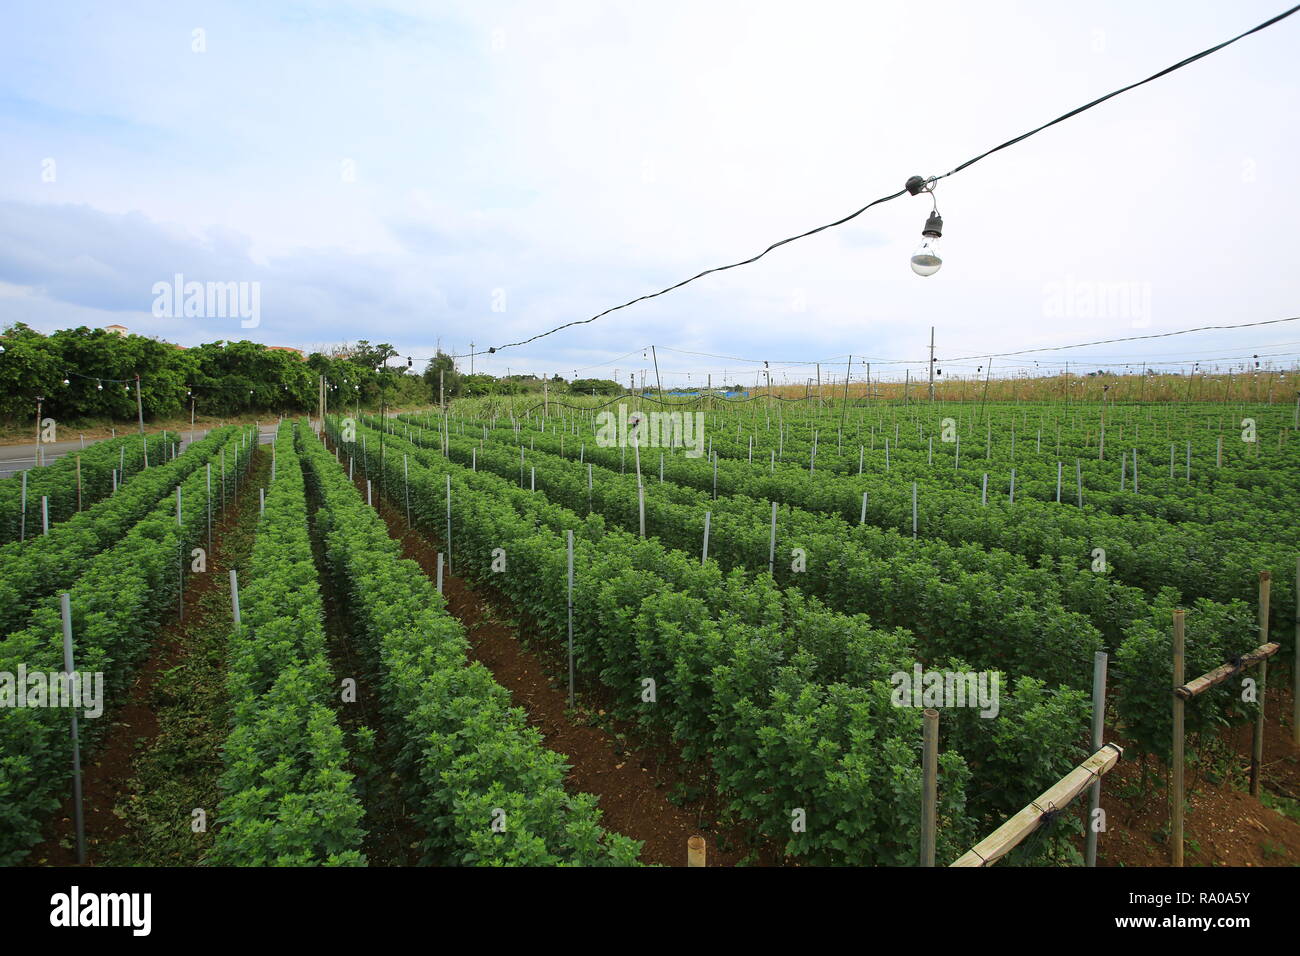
99,385
925,257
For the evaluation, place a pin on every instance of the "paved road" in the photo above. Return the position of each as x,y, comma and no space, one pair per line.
16,458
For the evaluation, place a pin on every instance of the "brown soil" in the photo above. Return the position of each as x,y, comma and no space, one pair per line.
631,782
392,836
107,772
1223,825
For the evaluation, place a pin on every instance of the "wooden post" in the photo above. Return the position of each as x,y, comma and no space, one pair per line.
696,852
929,784
1098,729
1257,743
1176,791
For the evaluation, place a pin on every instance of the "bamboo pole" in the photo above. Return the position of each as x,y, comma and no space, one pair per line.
696,852
1176,790
1098,729
1221,673
1257,743
929,784
1006,837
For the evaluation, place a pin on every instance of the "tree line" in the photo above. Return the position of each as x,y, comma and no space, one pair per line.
85,374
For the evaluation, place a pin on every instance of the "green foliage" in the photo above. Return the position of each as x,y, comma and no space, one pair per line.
468,758
57,481
43,564
217,378
118,601
288,797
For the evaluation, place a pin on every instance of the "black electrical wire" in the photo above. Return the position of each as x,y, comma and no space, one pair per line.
1131,338
853,215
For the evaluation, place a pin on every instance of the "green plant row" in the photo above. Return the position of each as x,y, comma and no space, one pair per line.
1143,553
789,701
57,481
480,782
1228,498
288,797
1248,483
42,565
117,605
989,607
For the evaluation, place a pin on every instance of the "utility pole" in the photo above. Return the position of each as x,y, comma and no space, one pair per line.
844,405
139,403
932,363
471,358
36,455
659,383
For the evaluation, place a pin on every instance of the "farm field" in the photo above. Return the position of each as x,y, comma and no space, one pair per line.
754,593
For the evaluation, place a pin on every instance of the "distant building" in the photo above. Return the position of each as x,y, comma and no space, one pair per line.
287,348
116,329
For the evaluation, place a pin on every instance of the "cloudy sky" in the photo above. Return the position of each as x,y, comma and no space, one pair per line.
447,173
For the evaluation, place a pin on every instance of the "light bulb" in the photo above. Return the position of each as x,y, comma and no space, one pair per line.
925,258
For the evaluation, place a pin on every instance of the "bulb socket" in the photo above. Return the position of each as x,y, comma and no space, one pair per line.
914,185
933,226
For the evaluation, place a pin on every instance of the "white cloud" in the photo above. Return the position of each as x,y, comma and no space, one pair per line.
582,154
